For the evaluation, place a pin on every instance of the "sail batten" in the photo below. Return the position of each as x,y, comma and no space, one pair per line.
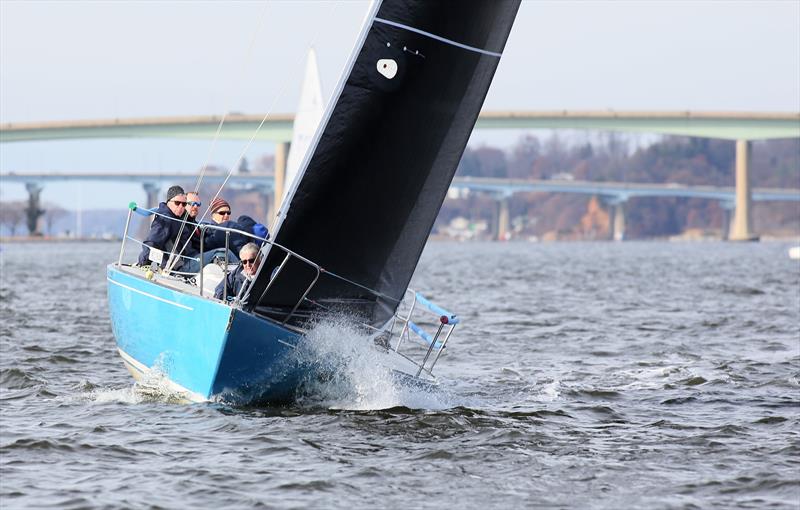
386,152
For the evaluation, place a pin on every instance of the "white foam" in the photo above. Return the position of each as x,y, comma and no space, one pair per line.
126,395
153,386
549,392
353,374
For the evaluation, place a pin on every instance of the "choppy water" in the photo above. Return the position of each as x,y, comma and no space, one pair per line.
634,375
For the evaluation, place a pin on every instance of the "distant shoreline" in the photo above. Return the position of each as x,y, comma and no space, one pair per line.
48,239
433,238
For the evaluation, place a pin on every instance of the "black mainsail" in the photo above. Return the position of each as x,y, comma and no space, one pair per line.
384,156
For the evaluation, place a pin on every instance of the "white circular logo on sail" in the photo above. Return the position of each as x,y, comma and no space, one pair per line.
387,67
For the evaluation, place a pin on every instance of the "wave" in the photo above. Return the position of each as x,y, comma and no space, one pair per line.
16,379
348,372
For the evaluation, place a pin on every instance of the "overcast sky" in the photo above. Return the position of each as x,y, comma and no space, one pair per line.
83,60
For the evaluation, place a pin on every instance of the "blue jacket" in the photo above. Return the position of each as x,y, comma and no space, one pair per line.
164,232
250,225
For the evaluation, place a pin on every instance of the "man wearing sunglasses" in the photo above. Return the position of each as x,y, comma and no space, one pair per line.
165,228
193,205
221,215
214,242
245,271
193,211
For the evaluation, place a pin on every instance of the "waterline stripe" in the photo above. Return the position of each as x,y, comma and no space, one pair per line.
150,295
287,344
127,358
438,38
172,385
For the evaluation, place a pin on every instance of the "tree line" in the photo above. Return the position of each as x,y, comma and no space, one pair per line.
610,157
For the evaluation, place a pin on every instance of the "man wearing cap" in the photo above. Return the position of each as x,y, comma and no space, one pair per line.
220,210
214,243
165,227
221,215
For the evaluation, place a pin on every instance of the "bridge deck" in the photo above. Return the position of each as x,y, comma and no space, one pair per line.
278,128
506,187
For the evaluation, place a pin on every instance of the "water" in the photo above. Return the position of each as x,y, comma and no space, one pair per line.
633,375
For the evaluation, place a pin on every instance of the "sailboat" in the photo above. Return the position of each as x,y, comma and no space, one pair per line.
352,227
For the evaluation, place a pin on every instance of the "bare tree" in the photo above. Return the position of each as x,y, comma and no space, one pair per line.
11,215
52,214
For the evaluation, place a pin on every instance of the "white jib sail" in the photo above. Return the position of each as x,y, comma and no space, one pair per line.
309,114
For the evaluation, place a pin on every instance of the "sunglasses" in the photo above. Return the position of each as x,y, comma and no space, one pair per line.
223,213
183,204
249,261
198,204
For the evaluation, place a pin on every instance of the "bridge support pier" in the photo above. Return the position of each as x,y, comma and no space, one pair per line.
281,158
618,221
615,205
151,190
727,207
502,224
742,227
33,212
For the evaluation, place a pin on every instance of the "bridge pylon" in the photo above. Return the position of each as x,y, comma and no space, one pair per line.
742,227
616,216
618,221
727,206
33,212
151,190
501,221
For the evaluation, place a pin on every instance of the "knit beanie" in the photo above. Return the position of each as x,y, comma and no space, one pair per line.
174,191
218,203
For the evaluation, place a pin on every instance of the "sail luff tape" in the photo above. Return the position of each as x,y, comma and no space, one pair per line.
438,37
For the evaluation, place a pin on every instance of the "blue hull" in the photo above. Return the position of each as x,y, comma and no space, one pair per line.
206,349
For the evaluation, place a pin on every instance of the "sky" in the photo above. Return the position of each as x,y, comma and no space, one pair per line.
69,60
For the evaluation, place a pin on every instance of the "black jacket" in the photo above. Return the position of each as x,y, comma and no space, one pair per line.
164,232
233,282
216,238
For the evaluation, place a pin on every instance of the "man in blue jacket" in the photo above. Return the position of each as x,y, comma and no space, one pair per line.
165,227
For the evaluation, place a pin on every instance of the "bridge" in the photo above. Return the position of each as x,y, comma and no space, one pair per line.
615,194
741,127
278,128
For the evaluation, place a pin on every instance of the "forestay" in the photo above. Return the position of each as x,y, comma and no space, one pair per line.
384,156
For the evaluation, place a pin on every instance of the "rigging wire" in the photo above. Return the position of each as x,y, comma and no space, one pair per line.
226,110
279,96
281,93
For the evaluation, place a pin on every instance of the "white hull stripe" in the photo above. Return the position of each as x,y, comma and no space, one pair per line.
175,387
438,38
132,362
150,295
